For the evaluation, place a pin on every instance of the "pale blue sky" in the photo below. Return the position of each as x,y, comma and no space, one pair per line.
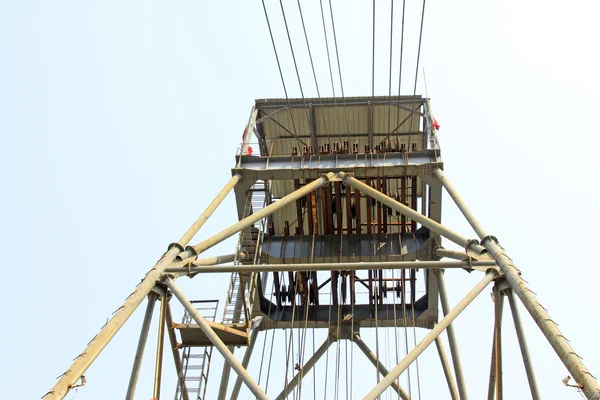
120,120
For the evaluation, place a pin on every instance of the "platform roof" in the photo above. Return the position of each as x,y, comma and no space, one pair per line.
283,124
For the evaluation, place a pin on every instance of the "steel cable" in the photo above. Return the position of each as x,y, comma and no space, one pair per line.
298,75
416,77
337,54
281,73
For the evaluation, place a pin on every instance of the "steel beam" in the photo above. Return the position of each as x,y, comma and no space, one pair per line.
460,379
270,115
353,266
160,347
492,381
225,377
410,213
139,354
185,239
380,367
498,306
249,131
218,260
535,393
430,337
512,275
420,163
238,382
456,255
265,104
216,341
409,109
108,331
176,357
250,220
447,370
307,367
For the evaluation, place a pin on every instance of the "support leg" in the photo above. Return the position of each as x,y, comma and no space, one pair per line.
447,370
176,357
139,354
512,275
492,381
382,370
498,305
216,341
238,382
185,239
225,377
430,337
535,394
460,379
306,367
160,347
108,331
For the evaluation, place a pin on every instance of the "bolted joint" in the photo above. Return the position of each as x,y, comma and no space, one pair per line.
489,237
176,244
189,252
472,244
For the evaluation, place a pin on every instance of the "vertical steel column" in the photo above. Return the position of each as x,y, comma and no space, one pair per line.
380,367
238,382
160,347
225,377
447,370
460,379
139,354
492,381
559,343
430,337
306,367
535,394
176,357
216,341
498,305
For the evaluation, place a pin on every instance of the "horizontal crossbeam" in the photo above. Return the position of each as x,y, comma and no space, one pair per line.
355,266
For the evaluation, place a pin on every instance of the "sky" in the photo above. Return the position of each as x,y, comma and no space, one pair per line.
120,121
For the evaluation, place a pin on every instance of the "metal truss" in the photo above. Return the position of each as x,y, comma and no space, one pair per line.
485,255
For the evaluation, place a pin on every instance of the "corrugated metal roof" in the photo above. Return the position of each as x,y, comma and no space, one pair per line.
298,123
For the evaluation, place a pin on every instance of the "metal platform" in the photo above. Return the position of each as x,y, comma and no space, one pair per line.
193,336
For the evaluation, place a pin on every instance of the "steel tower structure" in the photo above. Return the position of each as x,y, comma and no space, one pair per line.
339,206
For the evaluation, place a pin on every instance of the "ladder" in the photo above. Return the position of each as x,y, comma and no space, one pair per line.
249,242
195,361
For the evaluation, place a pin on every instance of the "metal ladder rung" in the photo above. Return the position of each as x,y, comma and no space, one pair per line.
195,367
195,356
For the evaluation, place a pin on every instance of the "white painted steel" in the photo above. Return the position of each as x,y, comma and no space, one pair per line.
430,337
216,341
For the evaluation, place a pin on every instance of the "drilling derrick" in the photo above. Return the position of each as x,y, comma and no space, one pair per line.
340,232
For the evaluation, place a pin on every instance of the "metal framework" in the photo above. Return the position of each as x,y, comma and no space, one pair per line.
340,216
